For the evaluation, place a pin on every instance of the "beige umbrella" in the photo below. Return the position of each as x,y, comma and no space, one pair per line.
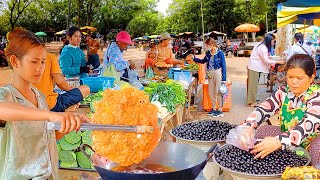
246,28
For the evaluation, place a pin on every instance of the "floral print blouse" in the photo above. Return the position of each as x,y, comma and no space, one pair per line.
299,132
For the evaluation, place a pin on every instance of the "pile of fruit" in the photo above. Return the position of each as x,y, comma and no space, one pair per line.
170,94
204,130
69,153
302,172
128,106
163,65
192,67
242,161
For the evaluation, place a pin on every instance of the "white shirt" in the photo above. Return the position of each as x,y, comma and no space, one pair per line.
297,49
259,59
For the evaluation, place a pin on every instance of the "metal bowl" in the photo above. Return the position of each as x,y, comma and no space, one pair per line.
256,176
204,145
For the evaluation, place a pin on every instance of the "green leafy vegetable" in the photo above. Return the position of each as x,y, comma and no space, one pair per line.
83,161
73,137
170,94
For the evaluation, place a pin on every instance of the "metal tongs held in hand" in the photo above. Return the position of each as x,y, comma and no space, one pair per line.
105,127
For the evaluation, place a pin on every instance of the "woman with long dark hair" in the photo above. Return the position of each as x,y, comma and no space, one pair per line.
299,47
259,62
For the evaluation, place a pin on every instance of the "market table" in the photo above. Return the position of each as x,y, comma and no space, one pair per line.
171,120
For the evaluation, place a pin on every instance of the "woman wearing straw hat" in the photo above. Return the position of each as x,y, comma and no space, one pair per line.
165,53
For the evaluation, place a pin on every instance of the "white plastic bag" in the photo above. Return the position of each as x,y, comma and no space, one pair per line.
242,137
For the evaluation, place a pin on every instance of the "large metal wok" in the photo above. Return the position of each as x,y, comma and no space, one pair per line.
254,176
188,162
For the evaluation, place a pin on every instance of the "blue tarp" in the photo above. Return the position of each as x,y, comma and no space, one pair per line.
301,3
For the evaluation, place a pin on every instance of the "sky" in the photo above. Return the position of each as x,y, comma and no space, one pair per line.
163,5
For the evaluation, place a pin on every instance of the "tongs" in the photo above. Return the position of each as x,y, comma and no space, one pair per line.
105,127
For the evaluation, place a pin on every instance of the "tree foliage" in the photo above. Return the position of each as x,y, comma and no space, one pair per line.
139,17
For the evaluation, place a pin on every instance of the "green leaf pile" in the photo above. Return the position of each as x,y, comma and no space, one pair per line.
170,94
69,152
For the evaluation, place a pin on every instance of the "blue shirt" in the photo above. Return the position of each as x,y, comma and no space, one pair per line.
71,59
214,62
113,55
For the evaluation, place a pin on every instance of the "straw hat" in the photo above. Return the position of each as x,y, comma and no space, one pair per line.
165,35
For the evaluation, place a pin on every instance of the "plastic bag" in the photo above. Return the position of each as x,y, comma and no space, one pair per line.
149,73
133,79
182,76
110,71
242,137
223,90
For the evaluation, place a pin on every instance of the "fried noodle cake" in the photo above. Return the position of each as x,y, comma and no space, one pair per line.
128,106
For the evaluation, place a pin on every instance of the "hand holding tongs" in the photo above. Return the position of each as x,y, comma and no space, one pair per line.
105,127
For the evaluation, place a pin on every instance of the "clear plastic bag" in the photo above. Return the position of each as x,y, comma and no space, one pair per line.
149,73
133,79
242,137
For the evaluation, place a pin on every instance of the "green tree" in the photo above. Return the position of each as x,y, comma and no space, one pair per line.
142,24
15,9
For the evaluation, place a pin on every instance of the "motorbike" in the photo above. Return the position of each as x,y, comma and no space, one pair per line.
184,54
3,59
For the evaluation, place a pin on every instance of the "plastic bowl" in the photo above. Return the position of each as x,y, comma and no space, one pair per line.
98,83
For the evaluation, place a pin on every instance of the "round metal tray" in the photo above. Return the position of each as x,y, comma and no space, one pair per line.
256,176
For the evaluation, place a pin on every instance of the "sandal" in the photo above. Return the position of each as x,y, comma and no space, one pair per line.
253,104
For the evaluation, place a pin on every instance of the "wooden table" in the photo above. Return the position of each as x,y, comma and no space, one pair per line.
172,120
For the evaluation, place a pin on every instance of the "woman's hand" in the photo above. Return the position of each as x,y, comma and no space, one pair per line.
266,146
131,65
69,121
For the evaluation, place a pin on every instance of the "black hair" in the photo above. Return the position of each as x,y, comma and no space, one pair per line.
94,35
267,41
309,43
299,37
302,61
72,30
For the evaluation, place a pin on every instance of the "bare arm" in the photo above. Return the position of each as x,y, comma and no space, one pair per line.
16,112
61,82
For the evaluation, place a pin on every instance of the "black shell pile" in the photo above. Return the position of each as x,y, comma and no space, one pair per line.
204,130
242,161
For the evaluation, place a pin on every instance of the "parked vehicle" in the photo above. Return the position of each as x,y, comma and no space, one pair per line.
3,59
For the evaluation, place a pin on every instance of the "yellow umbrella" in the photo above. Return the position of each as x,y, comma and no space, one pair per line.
92,29
247,28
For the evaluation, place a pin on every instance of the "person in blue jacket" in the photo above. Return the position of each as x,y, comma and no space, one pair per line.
217,74
72,59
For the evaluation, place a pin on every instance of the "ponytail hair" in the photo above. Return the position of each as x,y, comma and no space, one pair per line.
20,41
299,37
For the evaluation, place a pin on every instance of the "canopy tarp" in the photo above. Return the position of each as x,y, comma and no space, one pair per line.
60,32
297,15
301,3
85,28
154,36
215,33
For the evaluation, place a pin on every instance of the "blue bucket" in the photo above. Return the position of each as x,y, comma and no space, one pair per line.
98,83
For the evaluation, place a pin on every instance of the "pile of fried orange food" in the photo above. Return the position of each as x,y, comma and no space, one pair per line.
128,106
